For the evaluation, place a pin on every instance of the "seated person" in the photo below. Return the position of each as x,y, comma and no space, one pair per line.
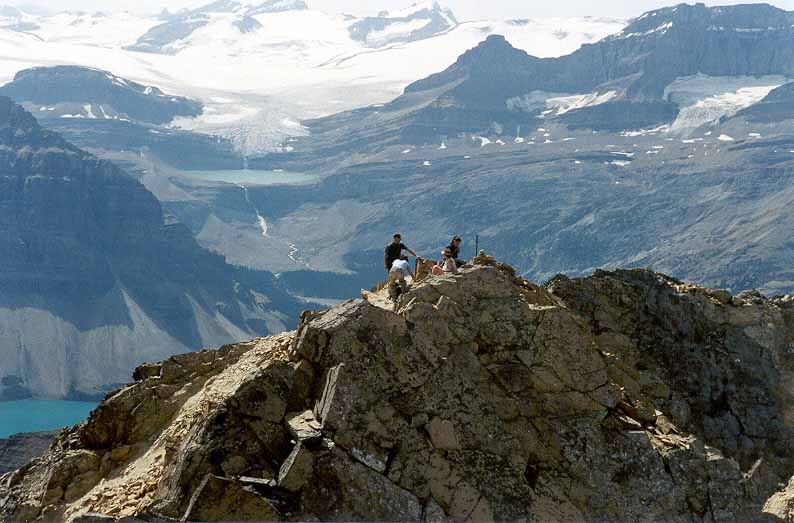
454,248
447,265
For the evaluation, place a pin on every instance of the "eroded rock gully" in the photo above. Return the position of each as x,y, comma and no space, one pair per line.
625,396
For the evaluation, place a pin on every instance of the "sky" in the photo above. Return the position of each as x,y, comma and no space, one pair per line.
464,9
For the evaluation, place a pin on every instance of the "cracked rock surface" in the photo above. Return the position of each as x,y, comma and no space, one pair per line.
625,396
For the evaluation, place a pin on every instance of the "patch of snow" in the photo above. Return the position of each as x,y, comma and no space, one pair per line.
395,30
725,138
565,104
620,163
406,151
484,141
659,31
705,99
426,163
89,111
645,132
442,146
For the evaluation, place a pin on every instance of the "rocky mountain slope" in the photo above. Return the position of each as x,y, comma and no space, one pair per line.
625,82
624,396
115,117
19,449
81,92
96,279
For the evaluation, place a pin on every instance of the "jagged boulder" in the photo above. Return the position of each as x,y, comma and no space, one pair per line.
626,396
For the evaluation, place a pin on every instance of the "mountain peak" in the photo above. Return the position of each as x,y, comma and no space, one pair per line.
85,92
493,52
733,17
14,116
478,396
496,39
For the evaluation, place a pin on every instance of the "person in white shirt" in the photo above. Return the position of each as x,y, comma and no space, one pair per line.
447,265
400,270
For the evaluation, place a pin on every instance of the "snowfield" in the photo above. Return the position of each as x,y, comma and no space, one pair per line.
249,81
705,99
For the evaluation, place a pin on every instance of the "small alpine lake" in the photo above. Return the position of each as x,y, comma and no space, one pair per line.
250,177
41,415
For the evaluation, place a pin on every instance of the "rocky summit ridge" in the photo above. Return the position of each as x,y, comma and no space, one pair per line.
624,396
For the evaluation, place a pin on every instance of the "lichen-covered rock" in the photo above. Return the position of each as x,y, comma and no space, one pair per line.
626,396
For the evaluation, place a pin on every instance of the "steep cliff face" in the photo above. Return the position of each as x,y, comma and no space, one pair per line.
96,280
626,396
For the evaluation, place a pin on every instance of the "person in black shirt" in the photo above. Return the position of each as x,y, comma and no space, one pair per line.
394,251
454,247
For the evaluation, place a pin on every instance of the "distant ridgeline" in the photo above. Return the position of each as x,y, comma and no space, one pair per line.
100,111
620,83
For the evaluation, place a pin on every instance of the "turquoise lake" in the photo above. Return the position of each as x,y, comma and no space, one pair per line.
41,415
251,177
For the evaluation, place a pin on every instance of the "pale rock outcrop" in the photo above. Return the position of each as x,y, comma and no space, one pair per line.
626,396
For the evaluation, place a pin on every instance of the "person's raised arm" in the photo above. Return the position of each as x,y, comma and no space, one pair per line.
412,253
386,261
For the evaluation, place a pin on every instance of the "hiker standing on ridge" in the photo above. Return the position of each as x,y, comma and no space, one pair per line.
454,249
394,251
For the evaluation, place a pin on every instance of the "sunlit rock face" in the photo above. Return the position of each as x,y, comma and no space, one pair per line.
626,395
